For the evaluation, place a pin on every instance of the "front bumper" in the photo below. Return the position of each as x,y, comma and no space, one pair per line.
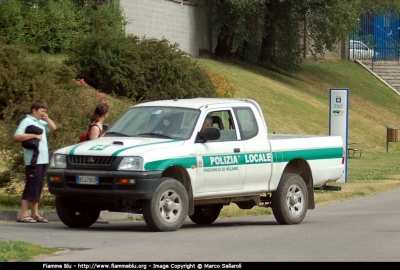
143,187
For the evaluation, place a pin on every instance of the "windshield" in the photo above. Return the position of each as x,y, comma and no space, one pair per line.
158,122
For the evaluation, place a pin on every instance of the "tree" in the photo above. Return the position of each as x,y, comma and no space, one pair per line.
380,6
236,24
279,33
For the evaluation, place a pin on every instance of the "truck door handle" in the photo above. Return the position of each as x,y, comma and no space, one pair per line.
236,150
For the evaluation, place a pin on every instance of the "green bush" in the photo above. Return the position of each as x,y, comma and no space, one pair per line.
169,72
223,88
24,79
54,26
140,69
108,63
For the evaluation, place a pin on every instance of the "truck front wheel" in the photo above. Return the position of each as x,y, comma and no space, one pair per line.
206,213
168,208
75,214
290,200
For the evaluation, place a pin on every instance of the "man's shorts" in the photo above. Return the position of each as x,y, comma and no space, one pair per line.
34,182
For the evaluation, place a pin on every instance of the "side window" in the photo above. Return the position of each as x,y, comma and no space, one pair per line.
247,123
223,121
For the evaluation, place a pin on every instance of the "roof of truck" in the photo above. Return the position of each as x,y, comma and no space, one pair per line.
194,103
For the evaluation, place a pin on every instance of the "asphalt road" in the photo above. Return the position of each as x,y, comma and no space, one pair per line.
362,230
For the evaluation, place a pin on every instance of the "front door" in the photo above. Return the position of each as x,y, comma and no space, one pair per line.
220,163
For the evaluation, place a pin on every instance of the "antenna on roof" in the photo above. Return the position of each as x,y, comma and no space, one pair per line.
176,99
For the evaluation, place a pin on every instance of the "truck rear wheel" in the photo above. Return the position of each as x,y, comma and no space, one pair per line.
168,208
206,213
290,200
75,214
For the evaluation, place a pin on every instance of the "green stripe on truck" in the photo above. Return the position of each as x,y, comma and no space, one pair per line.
242,159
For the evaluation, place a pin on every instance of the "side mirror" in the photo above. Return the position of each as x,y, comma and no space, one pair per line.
212,134
105,127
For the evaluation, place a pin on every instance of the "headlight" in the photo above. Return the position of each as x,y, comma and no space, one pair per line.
131,164
58,161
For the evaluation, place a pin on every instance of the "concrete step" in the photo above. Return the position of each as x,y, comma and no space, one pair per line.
397,87
387,72
386,67
387,64
386,77
393,74
391,80
384,63
396,76
393,69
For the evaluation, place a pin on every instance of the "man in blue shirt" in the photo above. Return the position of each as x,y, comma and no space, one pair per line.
34,173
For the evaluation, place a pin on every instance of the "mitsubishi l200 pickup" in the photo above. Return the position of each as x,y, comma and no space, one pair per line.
156,160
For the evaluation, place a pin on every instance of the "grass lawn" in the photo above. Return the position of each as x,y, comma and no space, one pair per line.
296,104
368,175
299,104
22,251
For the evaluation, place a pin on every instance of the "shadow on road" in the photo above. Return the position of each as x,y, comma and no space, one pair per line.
128,226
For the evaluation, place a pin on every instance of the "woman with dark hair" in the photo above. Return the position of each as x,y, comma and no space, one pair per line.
100,114
96,128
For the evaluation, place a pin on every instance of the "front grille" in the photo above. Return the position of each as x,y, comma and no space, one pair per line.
105,183
91,160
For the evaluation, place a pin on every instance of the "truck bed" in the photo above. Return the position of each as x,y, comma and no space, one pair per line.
273,136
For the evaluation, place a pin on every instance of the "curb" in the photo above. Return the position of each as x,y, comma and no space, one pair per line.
51,215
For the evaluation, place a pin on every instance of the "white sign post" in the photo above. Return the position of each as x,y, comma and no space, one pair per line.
338,120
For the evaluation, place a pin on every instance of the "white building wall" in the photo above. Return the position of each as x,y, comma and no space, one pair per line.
177,21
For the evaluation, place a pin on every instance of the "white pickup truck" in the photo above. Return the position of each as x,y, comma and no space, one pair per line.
154,161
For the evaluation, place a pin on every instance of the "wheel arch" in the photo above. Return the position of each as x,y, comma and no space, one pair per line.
302,168
180,174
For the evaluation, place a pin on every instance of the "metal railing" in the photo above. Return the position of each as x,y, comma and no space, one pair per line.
377,39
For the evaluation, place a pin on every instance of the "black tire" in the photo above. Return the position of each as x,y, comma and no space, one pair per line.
290,200
168,208
206,214
75,214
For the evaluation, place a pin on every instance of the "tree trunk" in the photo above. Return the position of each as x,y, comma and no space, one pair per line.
224,47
